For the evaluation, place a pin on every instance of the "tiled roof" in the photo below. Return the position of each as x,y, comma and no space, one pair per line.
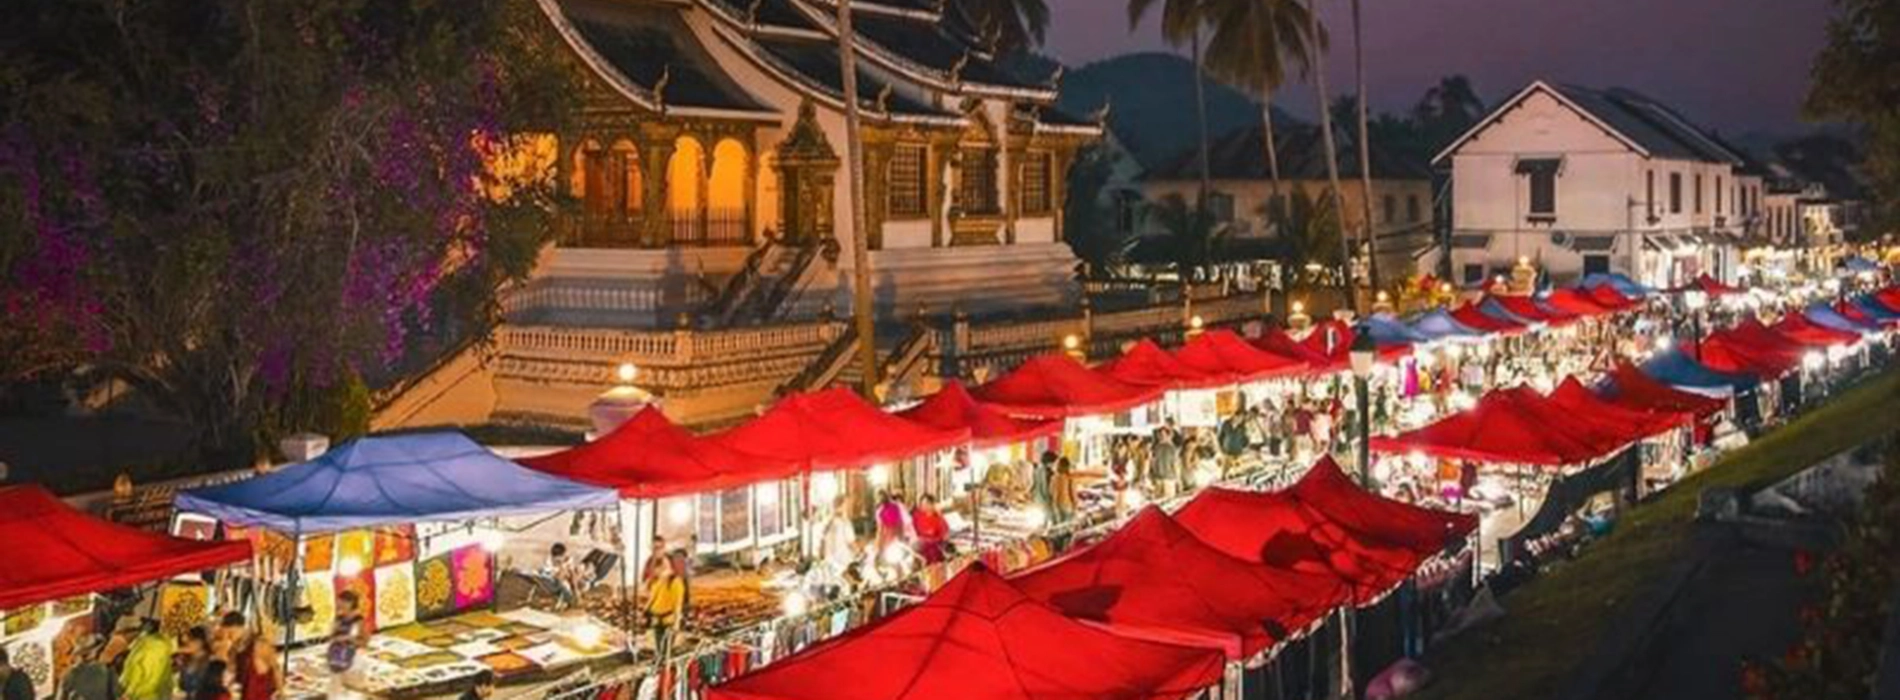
816,63
1652,125
645,43
935,48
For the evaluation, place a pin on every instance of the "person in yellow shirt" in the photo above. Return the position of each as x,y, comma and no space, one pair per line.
665,608
148,665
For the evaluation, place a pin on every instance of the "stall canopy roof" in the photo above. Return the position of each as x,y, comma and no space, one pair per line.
1870,305
1578,400
1728,352
1618,281
1853,310
1799,328
1275,529
1152,579
1678,369
1438,324
1765,339
389,480
1524,309
57,552
1057,386
1577,302
651,457
834,429
1629,386
1387,329
952,408
1333,339
1276,341
1821,314
1326,489
1497,429
1609,297
1474,317
1219,351
978,637
1710,286
1146,364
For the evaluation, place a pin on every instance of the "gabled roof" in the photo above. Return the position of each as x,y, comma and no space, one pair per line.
934,53
648,54
1241,155
1645,125
814,65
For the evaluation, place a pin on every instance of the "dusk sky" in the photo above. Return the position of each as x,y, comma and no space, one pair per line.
1735,65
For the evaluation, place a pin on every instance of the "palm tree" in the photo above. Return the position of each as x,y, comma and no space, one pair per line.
1254,43
1332,148
1009,25
860,238
1181,23
1191,229
1447,110
1365,148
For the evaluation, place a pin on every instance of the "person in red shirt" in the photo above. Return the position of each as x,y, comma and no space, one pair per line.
932,530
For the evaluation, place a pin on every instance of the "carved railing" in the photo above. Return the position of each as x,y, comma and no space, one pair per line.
826,367
741,285
910,353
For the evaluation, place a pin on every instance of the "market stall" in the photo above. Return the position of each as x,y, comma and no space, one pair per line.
978,637
414,527
1195,395
994,482
60,559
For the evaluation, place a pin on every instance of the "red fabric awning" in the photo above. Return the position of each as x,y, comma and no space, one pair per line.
1601,434
1751,332
1333,339
1796,326
1153,580
1607,297
1056,386
1219,351
58,552
1497,429
952,408
979,638
1726,351
1273,528
1469,315
1277,342
651,457
1528,308
1889,297
1578,302
1853,312
1579,400
834,429
1710,286
1632,388
1146,364
1327,490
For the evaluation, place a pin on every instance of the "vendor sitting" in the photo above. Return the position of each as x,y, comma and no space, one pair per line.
561,575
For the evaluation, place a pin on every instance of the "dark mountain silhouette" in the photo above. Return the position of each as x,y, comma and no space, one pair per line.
1151,103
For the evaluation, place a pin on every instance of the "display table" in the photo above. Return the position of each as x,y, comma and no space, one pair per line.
442,656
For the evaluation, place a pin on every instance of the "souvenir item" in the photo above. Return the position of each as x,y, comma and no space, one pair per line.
474,577
395,596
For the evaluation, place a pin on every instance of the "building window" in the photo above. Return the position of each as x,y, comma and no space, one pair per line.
1596,264
1543,185
1388,209
1474,273
1718,196
976,182
1413,213
1698,194
906,182
1221,206
1036,195
1649,199
1675,193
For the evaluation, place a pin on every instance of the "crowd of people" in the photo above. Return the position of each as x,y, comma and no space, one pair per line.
140,661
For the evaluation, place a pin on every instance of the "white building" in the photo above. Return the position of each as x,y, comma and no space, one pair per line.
1579,180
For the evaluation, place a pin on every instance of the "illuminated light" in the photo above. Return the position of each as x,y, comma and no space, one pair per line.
1416,456
1523,261
1384,297
1663,343
879,475
1135,498
1454,351
1036,516
1299,307
895,554
1444,288
1071,342
768,494
587,635
1814,360
627,372
824,488
680,512
795,604
1196,322
491,540
1695,300
349,567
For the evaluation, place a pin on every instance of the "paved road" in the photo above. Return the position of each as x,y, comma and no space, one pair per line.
1746,605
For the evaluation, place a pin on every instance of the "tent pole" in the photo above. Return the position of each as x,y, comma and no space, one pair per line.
291,586
628,582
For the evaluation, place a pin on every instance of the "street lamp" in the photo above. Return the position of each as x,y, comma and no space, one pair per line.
1695,299
1364,351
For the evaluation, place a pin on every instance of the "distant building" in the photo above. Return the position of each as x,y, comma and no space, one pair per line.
1816,200
1402,207
1580,180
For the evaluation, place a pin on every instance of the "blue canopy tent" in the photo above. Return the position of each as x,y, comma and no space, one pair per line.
376,481
1618,281
1824,315
1677,369
1438,324
1387,329
1491,307
1857,264
1872,307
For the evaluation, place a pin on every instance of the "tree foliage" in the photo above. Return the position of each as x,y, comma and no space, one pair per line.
242,208
1856,81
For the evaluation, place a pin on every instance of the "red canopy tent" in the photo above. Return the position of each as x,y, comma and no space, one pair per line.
1631,388
1497,429
651,457
1057,386
1606,296
834,429
58,552
1853,312
1333,338
1277,530
979,638
1327,490
1751,332
1577,399
1724,351
1889,297
1710,286
1577,302
1153,580
952,408
1603,436
1469,315
1528,308
1277,342
1219,351
1797,327
1146,364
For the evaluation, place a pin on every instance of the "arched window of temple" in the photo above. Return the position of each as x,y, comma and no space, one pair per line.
726,194
684,189
630,196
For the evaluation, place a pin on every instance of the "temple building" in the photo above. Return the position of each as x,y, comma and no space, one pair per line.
708,165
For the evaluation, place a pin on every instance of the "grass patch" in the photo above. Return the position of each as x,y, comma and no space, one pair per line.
1557,618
